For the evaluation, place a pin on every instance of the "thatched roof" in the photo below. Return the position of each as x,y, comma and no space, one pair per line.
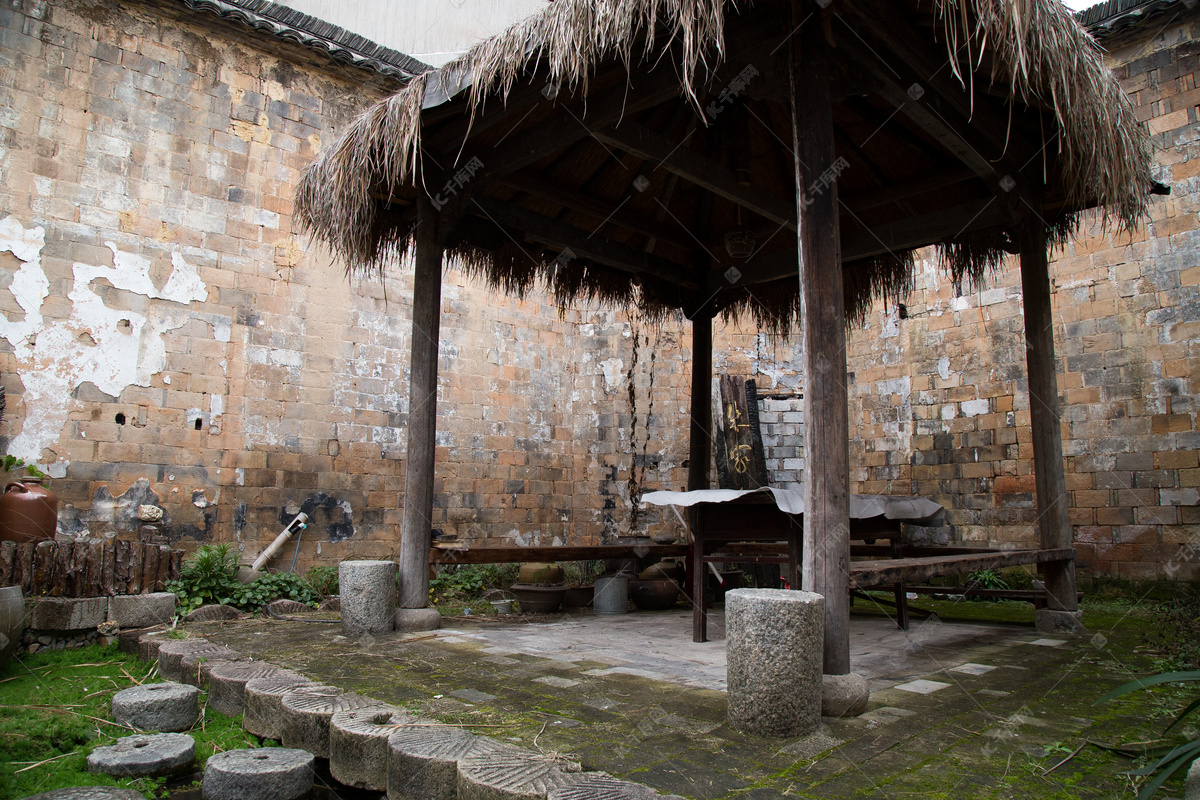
550,134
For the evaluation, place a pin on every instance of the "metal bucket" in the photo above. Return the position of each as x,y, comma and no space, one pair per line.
612,595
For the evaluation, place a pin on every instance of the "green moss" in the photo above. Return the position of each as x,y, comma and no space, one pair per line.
54,710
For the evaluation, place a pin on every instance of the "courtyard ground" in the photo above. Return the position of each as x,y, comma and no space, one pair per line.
958,709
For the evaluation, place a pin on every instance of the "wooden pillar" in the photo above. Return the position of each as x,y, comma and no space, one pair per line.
827,439
699,454
1054,526
416,527
700,430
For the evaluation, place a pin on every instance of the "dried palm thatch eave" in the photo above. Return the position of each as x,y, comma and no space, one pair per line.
1039,52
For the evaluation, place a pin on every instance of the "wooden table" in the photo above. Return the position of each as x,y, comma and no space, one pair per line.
719,529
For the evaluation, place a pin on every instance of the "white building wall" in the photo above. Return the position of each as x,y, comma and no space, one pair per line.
433,31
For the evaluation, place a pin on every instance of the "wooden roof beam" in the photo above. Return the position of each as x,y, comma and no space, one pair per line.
700,170
897,237
873,198
956,135
612,212
905,44
561,236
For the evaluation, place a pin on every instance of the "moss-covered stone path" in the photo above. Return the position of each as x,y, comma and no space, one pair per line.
956,712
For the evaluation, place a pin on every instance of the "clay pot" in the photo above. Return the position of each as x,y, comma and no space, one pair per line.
579,596
654,595
28,511
663,570
538,599
540,573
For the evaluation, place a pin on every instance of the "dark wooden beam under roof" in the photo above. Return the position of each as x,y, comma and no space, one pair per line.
561,236
903,43
898,237
861,201
676,157
600,209
953,133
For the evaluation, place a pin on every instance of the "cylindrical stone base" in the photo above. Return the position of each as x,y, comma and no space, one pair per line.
774,646
368,595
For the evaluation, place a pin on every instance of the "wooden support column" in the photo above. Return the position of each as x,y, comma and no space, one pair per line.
699,455
826,567
700,430
1054,526
415,533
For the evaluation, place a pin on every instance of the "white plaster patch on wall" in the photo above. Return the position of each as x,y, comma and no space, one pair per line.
29,285
109,347
891,323
614,374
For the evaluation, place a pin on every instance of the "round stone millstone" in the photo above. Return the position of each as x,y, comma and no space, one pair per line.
285,606
171,653
368,595
423,761
194,667
263,711
149,755
774,645
358,745
227,683
601,786
306,715
148,644
264,773
166,707
89,793
510,775
212,613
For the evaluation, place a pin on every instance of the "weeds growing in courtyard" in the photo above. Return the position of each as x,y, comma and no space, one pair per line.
210,576
54,710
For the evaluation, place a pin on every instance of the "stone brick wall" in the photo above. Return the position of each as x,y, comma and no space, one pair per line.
940,403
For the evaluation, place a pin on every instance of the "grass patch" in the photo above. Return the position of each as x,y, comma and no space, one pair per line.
54,710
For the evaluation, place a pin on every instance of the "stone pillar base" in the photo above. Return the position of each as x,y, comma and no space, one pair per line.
417,619
1048,620
844,695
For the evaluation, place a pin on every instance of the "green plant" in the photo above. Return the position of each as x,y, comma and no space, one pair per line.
14,464
54,710
323,580
460,582
1174,631
208,576
1176,758
275,586
985,579
580,573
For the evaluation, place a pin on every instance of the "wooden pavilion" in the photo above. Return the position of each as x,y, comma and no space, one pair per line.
781,159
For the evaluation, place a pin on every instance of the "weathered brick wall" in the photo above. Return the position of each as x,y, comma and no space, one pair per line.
940,403
169,340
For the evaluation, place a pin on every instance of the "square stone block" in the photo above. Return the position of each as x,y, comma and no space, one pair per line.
67,613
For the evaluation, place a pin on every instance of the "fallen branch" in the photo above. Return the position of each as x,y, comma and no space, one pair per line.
1074,753
38,764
